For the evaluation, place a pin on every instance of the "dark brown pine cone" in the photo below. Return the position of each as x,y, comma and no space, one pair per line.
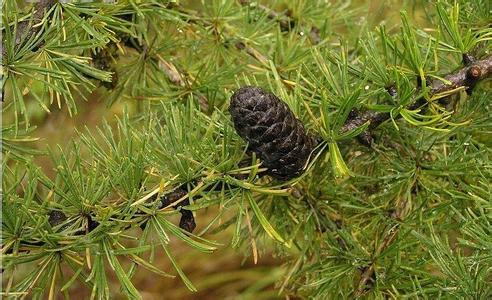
273,132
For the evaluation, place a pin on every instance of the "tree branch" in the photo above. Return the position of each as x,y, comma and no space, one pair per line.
466,77
284,20
368,276
368,273
26,29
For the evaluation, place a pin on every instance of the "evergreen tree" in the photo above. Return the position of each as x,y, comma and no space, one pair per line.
353,141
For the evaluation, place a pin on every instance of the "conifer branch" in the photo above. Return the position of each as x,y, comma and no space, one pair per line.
368,276
194,17
27,29
368,273
252,52
286,23
177,78
466,77
241,45
284,20
187,221
349,235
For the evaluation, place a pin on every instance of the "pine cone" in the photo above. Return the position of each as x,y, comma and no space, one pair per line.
56,217
273,132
